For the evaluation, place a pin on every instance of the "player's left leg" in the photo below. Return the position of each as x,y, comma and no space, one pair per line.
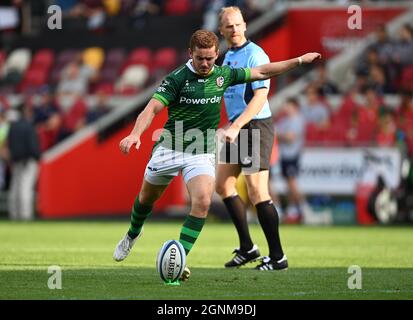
258,192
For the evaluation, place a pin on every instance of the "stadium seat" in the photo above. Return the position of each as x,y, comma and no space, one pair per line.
66,56
2,60
364,134
43,58
63,58
103,87
166,58
115,56
4,103
93,57
140,56
109,74
314,135
177,7
134,76
7,90
18,59
407,78
33,78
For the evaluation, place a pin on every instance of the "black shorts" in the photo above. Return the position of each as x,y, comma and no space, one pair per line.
290,167
252,148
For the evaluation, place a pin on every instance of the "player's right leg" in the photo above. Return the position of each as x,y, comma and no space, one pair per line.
142,208
227,175
160,170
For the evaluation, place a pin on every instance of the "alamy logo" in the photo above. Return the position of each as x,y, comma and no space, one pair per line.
215,99
55,280
354,281
354,22
54,21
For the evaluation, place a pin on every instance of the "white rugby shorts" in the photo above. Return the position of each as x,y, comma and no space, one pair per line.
165,164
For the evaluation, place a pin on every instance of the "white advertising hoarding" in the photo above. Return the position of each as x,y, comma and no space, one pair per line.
338,170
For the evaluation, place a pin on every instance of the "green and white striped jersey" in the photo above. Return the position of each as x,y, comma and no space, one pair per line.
194,106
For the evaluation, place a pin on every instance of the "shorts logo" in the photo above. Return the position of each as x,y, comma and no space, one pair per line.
246,161
220,81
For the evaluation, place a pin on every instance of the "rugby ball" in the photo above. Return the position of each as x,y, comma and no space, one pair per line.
171,261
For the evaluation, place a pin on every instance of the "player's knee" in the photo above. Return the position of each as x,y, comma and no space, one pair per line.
147,198
201,204
256,195
223,190
219,188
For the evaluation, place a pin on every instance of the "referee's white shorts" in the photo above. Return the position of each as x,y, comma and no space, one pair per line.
165,164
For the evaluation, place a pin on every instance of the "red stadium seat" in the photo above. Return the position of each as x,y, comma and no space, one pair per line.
140,56
166,58
407,78
43,58
177,7
314,135
34,77
2,59
103,87
364,135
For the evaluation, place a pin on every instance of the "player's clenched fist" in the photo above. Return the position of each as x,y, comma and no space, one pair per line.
310,57
128,142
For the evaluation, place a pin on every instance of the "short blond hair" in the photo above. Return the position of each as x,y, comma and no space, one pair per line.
225,10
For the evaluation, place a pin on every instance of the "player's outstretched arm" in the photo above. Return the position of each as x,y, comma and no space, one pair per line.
143,121
273,69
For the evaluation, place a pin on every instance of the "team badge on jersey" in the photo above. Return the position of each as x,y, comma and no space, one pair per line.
220,81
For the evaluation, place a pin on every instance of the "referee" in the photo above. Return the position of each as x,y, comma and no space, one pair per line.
249,140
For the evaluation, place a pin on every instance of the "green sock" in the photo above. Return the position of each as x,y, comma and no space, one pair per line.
139,214
190,231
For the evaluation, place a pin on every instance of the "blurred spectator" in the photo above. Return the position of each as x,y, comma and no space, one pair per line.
404,120
368,114
11,15
74,117
46,118
369,58
360,82
403,49
291,134
100,109
386,131
364,119
4,130
67,5
142,10
24,151
315,111
382,47
378,81
75,78
324,85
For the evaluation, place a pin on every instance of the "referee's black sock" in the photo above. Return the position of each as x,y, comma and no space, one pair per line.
268,218
238,213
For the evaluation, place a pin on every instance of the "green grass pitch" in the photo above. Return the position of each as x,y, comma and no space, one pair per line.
319,258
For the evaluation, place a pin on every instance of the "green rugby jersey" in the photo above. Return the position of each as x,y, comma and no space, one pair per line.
194,106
